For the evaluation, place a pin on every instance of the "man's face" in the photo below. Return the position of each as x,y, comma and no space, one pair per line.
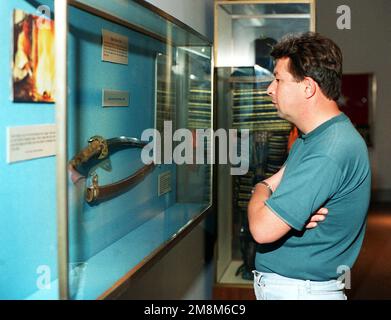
287,94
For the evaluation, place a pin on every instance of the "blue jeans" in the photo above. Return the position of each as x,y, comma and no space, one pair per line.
271,286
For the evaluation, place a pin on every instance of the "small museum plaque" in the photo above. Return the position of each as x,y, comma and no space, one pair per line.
115,98
30,142
114,47
164,183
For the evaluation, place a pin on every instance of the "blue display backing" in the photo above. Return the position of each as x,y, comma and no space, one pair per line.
27,189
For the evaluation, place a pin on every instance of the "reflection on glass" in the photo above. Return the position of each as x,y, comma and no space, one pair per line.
265,8
245,34
252,109
241,26
196,114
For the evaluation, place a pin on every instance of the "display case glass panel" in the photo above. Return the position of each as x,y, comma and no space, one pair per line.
164,83
242,26
245,32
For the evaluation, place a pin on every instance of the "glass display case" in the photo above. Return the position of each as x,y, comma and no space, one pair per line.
133,87
166,83
245,32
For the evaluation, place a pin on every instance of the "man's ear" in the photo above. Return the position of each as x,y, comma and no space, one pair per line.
310,87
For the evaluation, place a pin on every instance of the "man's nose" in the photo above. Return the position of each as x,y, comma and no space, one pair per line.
271,88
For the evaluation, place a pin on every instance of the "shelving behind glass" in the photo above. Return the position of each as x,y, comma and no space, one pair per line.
245,32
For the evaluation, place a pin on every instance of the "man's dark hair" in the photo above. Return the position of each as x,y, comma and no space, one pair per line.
315,56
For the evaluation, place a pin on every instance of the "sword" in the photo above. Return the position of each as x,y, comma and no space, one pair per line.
99,148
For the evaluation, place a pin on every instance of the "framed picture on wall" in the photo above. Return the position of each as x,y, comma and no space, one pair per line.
33,58
357,102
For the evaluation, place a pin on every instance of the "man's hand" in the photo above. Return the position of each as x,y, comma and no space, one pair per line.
318,216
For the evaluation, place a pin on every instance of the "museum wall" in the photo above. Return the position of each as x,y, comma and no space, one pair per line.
366,48
27,188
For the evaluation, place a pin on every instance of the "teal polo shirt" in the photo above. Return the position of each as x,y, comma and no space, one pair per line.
328,167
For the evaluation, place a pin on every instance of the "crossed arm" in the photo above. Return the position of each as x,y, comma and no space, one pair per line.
265,225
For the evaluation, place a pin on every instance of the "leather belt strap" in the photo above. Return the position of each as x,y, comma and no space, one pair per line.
100,148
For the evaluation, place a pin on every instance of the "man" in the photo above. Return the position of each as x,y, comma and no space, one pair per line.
327,167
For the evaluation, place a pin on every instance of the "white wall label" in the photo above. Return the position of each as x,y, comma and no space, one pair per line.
114,47
115,98
30,142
